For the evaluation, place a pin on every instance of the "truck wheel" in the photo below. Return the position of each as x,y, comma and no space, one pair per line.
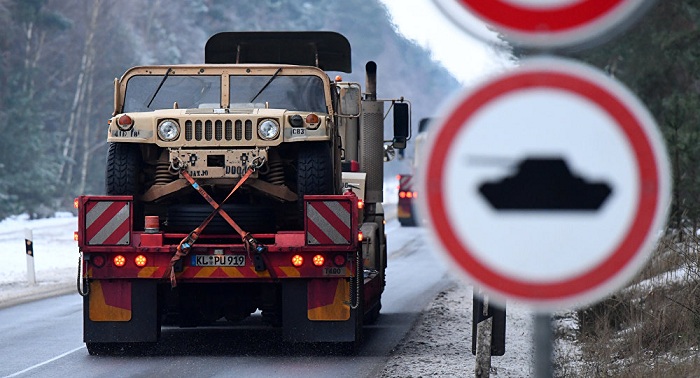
123,169
314,170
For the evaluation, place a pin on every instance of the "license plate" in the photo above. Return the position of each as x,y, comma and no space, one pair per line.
218,260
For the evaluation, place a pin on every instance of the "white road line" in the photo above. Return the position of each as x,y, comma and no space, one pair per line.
45,362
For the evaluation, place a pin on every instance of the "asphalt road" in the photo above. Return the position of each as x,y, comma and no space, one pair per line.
44,338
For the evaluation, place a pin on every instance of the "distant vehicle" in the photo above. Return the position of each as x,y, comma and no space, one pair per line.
227,195
406,210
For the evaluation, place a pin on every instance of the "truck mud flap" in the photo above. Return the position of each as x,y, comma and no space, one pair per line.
121,311
327,324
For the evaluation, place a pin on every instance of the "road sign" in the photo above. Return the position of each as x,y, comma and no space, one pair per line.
546,23
547,184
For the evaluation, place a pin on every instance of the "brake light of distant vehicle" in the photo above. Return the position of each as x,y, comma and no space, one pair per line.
403,194
297,260
140,261
319,260
124,122
119,261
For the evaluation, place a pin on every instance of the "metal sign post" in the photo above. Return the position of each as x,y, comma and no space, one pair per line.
542,341
29,249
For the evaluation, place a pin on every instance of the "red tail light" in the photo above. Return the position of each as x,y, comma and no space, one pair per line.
319,260
140,260
119,260
297,260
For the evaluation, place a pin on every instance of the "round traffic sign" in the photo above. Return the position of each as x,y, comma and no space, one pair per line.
547,184
547,23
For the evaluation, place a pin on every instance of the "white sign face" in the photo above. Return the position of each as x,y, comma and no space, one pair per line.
546,23
548,184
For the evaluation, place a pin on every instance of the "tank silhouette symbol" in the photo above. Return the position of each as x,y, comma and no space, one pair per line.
545,184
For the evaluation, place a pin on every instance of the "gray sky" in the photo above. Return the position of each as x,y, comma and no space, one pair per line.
466,57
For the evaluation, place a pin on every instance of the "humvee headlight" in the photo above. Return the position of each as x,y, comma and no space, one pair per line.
268,129
168,130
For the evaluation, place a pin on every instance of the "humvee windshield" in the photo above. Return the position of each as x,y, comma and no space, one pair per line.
303,93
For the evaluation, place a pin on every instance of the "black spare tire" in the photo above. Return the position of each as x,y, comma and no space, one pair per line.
251,218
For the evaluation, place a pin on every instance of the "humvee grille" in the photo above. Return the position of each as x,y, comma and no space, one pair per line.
218,130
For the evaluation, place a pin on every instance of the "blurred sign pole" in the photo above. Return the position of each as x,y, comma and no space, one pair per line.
542,341
29,245
484,328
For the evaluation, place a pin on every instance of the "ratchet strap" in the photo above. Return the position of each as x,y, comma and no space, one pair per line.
186,244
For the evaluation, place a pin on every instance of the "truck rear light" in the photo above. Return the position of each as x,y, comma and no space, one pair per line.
319,260
415,195
297,260
98,261
360,237
140,261
75,236
119,260
339,260
75,203
402,194
409,195
360,204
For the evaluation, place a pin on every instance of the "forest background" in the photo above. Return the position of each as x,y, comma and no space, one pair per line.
58,60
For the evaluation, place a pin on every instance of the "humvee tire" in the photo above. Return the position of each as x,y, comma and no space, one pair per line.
123,169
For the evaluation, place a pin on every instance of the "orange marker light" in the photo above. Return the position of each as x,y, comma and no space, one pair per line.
76,203
140,260
119,260
319,260
75,236
297,260
338,78
360,204
312,118
360,237
402,194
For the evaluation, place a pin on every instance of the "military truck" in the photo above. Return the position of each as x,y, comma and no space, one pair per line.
250,184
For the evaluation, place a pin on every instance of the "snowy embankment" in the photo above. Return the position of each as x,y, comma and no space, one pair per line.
55,257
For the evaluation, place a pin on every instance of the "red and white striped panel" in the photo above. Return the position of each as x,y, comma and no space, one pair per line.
405,183
328,222
107,222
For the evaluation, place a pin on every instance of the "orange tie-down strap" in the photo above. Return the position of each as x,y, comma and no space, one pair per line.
186,244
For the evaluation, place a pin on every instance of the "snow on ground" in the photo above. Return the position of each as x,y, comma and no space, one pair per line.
55,257
440,343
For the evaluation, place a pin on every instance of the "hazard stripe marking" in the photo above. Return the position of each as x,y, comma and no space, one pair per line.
107,223
329,222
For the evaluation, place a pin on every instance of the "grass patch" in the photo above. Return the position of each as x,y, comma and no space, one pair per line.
651,328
